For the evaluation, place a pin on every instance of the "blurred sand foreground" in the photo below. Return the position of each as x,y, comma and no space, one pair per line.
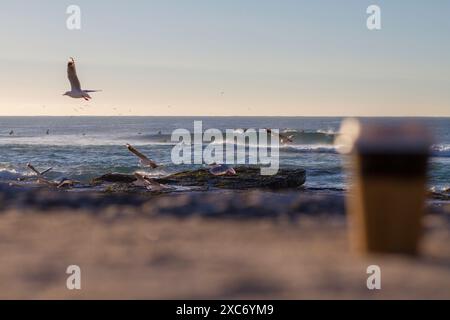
205,246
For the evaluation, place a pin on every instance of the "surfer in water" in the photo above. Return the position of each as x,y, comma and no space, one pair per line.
283,137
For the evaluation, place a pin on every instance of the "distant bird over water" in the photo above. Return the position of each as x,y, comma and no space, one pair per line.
76,92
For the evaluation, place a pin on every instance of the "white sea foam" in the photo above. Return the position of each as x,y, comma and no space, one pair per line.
441,150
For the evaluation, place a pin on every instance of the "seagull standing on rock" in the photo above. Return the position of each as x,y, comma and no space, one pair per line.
76,92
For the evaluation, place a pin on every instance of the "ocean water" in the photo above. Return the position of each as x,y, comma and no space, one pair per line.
84,147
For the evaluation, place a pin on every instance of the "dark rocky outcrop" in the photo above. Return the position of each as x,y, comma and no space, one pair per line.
444,195
246,178
114,178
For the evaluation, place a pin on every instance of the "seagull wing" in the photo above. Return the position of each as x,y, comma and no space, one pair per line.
222,170
39,174
46,171
32,168
148,183
144,160
219,170
72,75
42,180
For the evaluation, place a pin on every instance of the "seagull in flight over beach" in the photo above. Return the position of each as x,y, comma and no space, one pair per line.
76,92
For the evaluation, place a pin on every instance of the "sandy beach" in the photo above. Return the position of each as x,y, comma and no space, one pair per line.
213,245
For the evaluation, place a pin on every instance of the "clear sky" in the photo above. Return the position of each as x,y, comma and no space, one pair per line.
233,57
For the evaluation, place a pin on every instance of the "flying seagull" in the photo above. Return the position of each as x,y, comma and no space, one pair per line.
150,184
76,92
146,162
38,173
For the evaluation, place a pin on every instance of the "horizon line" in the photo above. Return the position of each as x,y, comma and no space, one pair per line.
224,116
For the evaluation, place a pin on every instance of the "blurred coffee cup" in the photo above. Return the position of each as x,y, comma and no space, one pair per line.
388,174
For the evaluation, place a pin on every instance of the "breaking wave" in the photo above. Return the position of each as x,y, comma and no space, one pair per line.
441,150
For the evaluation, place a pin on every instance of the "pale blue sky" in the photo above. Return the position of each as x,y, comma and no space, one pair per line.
267,57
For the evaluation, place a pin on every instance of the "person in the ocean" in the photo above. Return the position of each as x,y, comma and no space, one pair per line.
11,132
48,132
283,138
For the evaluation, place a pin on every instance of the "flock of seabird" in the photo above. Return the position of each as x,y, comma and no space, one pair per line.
142,180
77,92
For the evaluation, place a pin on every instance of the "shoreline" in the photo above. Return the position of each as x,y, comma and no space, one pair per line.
36,197
31,195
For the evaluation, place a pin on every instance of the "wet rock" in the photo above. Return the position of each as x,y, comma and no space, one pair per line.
114,178
245,178
445,195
